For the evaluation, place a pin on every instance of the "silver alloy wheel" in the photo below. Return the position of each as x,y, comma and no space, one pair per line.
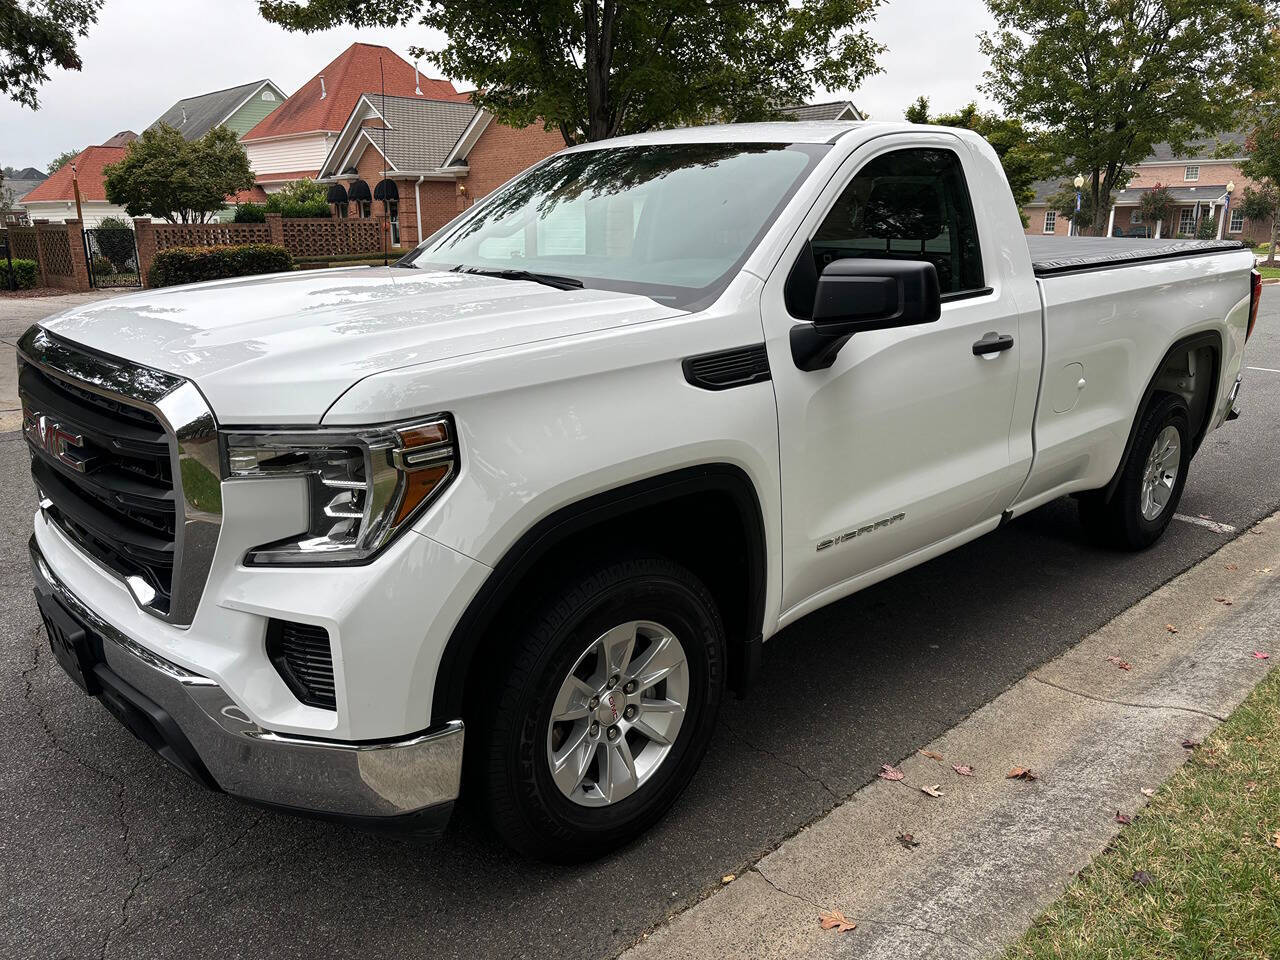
1161,473
618,713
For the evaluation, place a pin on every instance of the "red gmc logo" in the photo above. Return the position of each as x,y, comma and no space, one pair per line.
47,434
613,705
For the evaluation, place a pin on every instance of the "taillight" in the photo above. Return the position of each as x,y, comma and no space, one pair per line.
1255,298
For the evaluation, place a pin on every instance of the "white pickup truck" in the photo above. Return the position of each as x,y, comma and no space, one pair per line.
550,481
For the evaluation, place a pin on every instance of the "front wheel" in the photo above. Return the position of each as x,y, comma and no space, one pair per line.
1151,480
605,712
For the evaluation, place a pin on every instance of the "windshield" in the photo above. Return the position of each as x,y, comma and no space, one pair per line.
669,221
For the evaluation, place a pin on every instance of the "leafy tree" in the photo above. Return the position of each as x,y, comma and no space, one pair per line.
1262,164
595,69
1157,204
35,35
1020,153
1109,79
163,175
1262,204
1064,201
61,160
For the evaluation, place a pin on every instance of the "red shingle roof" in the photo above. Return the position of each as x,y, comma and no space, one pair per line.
353,73
89,164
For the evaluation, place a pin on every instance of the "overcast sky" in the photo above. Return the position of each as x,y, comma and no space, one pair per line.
144,55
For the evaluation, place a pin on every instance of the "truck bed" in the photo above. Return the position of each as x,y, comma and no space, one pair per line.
1056,255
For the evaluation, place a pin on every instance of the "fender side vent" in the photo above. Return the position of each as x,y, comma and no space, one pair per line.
728,368
302,656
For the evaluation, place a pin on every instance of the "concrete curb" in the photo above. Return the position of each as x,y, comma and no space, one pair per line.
994,852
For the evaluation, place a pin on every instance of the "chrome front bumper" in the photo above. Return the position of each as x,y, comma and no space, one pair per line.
411,782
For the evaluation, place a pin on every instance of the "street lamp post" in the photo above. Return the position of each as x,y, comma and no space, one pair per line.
1079,182
1225,223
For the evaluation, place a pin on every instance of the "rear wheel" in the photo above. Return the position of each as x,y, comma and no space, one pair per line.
1151,480
605,711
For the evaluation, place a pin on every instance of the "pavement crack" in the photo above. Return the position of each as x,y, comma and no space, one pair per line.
812,778
1129,703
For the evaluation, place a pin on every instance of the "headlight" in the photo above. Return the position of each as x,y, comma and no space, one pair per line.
363,486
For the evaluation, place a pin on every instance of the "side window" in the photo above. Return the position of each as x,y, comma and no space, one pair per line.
907,205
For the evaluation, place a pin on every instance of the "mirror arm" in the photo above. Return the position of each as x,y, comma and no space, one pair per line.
816,349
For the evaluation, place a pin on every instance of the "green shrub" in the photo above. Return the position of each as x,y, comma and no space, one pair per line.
250,213
1207,229
194,264
101,266
115,243
301,198
27,273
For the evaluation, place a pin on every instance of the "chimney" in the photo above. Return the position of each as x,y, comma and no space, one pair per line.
322,92
184,114
417,87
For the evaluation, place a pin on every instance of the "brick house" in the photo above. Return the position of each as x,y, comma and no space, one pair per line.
1197,178
293,140
415,163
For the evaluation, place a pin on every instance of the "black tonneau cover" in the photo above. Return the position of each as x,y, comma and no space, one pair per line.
1054,255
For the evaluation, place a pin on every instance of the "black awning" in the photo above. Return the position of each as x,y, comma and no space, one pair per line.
358,192
386,190
337,193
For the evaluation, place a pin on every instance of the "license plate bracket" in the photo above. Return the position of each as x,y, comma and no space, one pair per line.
73,645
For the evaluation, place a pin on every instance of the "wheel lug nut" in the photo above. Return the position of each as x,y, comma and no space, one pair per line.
613,733
593,703
630,687
630,712
613,682
595,729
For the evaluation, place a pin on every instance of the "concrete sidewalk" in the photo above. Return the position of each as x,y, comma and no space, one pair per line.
993,852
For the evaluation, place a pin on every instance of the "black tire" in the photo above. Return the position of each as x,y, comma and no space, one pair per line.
510,767
1120,522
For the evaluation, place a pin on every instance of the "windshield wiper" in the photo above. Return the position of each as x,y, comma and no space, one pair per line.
549,279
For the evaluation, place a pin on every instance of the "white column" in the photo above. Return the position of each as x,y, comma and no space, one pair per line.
1222,221
1158,225
1111,221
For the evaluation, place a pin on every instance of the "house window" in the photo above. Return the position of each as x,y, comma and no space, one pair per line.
1135,216
366,209
1050,221
1192,172
1237,221
1187,221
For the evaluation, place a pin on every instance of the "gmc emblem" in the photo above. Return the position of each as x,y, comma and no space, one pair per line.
45,433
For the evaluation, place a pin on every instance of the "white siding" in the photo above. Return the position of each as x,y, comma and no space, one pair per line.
59,211
284,156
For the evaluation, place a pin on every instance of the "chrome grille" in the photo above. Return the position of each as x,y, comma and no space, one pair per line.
111,445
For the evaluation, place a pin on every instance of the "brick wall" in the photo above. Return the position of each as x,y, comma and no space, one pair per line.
1212,173
502,152
1035,223
58,248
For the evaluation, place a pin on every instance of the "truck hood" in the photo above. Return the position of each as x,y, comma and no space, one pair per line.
281,349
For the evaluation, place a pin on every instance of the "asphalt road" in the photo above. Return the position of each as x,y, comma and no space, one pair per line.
106,852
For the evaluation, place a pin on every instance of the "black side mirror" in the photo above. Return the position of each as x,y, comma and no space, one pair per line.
855,295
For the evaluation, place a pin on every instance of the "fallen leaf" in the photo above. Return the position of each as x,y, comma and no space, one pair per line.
932,791
1148,792
728,878
835,920
1142,878
888,772
1257,530
1123,818
1171,628
963,769
1225,601
1205,516
1122,664
1266,569
1259,655
1190,744
1022,773
1232,566
908,840
1275,841
931,755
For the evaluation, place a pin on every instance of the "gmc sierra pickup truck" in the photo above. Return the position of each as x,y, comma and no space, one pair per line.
547,484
